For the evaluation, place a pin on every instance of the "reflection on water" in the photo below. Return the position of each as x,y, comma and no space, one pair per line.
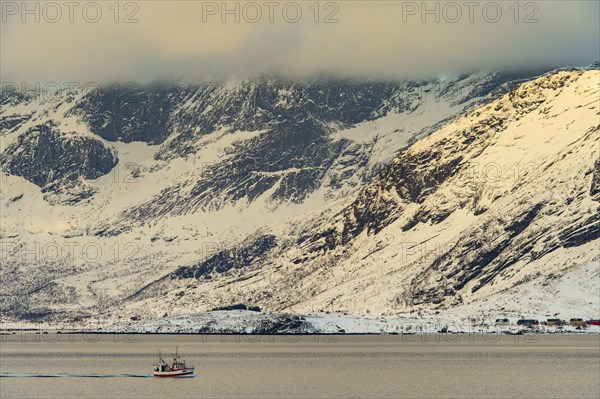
441,366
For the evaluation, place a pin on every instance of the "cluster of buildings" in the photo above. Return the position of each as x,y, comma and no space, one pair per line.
550,322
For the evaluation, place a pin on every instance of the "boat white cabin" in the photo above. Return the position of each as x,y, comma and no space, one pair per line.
177,368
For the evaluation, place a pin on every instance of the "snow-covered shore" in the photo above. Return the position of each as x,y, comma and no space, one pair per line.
241,321
250,322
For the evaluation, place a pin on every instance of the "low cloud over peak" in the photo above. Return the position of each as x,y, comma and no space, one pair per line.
145,41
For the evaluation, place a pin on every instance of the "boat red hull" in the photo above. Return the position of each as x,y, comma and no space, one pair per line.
182,373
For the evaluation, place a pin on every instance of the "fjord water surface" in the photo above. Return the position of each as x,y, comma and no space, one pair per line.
368,366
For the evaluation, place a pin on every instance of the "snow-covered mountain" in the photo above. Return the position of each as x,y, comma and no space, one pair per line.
177,198
245,138
503,198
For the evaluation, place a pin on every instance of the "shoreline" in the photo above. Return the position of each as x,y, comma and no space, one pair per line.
244,322
44,332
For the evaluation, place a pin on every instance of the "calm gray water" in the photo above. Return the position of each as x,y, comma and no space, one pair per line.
104,366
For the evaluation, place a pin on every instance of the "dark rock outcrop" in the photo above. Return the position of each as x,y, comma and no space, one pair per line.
58,162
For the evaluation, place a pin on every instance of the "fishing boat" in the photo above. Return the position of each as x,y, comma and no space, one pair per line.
176,369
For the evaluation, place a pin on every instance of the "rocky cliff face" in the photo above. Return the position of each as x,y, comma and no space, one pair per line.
127,112
58,161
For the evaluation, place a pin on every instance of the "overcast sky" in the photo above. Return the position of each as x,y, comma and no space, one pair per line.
187,39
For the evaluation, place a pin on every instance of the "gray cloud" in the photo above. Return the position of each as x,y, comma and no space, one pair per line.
375,38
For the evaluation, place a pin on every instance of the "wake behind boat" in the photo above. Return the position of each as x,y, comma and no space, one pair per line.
176,369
